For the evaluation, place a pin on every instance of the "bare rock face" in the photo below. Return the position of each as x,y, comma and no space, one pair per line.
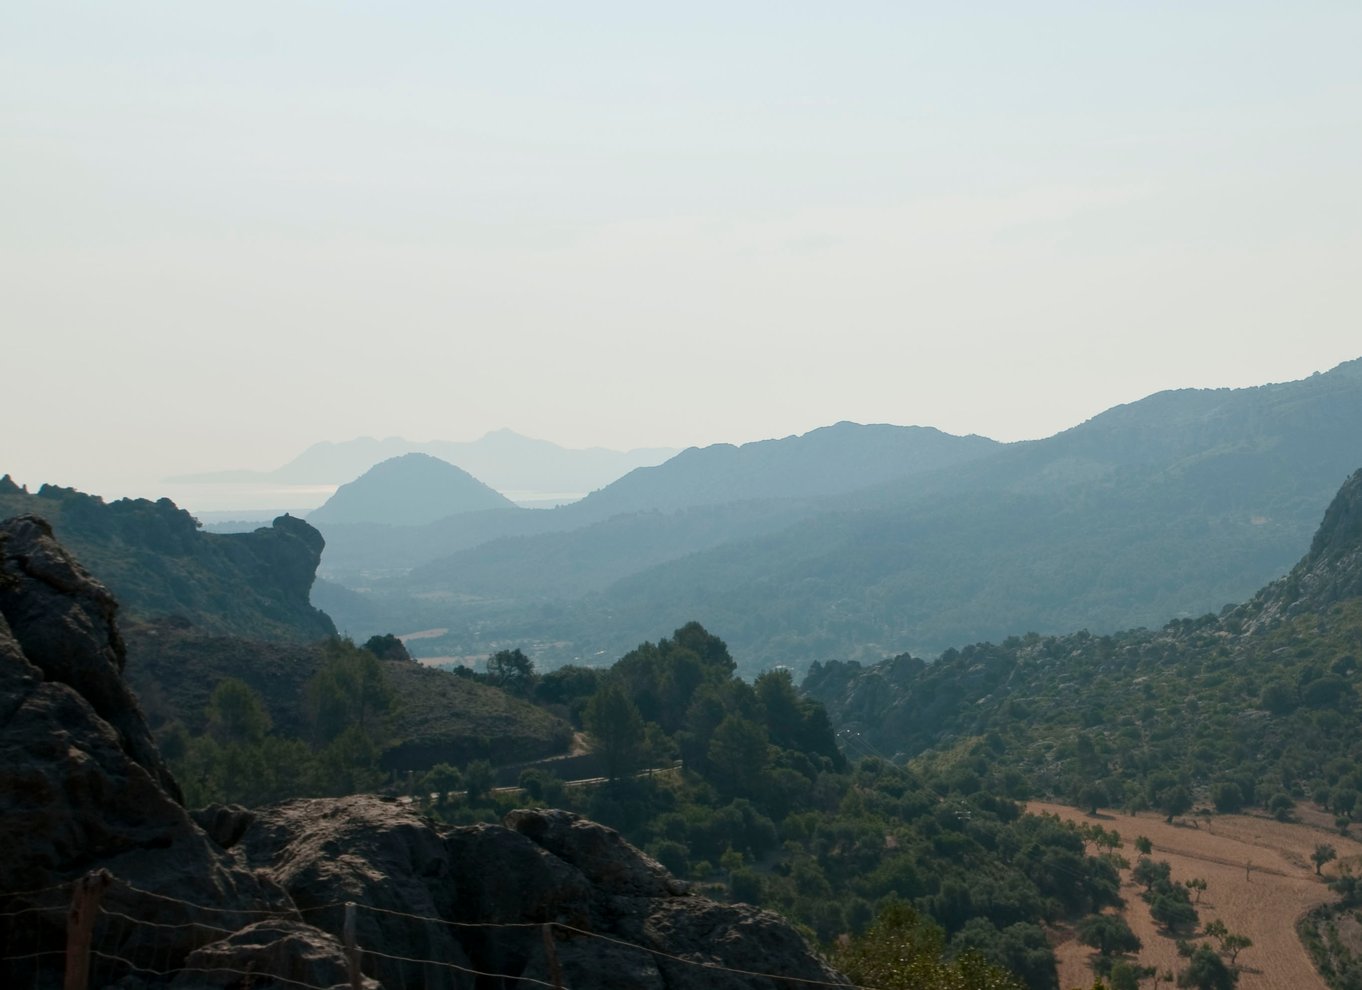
326,852
81,782
600,853
63,621
269,954
547,892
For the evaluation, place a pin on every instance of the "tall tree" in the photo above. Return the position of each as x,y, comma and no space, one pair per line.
1324,853
236,714
614,722
738,756
512,671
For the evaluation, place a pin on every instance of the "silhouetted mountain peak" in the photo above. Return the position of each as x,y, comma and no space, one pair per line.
830,460
408,490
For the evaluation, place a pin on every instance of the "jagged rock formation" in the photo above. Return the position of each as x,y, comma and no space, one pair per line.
81,782
291,950
539,868
158,563
82,787
63,620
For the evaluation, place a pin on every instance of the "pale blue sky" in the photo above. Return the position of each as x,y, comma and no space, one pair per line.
228,231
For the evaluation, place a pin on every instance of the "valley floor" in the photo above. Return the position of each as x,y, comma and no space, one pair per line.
1260,881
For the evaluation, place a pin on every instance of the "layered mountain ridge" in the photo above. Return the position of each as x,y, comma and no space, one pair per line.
1172,505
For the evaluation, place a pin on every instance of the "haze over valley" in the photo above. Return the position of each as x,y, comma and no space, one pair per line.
681,497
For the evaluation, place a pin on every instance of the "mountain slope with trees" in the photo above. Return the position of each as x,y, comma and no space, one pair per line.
833,460
1173,505
1256,706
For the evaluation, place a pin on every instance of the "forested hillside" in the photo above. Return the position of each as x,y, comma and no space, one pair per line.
1257,705
764,808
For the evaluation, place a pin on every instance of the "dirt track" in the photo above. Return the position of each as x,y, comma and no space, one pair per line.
1260,880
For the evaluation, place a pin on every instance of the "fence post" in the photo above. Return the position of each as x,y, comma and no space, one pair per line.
351,949
80,925
551,951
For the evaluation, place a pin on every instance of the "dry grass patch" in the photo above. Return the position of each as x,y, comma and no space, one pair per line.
1259,881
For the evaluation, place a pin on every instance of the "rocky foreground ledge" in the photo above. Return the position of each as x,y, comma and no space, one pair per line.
201,899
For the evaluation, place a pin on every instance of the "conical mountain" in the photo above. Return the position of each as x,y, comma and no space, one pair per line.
409,490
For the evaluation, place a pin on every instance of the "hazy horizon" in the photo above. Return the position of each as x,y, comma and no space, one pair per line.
233,233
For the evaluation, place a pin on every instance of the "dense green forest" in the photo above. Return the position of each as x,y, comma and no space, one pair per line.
1258,705
754,801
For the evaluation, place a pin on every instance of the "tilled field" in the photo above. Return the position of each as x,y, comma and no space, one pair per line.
1259,881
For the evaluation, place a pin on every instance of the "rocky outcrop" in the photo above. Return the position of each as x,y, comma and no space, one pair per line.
81,782
226,894
62,620
269,954
156,560
546,890
1330,572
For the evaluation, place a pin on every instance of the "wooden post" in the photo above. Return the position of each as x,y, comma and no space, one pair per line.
351,949
80,925
551,952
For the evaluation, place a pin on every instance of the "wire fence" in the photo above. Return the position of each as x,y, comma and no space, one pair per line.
100,931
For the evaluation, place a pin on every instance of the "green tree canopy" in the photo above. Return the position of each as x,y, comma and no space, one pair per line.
236,713
511,670
1108,934
614,722
1207,971
904,951
348,690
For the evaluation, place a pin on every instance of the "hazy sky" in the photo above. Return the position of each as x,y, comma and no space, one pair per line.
230,230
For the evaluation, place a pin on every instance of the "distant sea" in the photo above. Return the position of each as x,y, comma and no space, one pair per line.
219,502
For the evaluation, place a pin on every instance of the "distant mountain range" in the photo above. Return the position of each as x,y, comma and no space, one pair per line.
502,459
799,549
709,495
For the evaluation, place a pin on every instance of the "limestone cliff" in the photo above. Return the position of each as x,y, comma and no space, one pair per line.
158,563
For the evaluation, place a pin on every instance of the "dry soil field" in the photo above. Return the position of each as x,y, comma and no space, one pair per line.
1259,881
